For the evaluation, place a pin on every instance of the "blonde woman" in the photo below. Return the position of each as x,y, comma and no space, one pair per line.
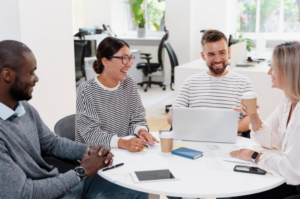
281,130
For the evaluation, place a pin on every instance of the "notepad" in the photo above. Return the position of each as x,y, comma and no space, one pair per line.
187,153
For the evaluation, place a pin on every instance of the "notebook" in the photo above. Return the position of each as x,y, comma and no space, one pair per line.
187,153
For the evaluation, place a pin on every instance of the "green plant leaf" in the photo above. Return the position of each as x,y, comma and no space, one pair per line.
249,42
140,2
142,21
135,8
138,13
156,26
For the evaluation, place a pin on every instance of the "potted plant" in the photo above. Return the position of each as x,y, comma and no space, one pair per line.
139,16
249,44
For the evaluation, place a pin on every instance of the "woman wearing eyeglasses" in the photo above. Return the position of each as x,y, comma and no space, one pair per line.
109,106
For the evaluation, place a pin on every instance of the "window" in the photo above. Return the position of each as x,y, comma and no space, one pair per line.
154,14
268,16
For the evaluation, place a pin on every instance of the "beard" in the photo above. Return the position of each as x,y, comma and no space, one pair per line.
18,91
218,71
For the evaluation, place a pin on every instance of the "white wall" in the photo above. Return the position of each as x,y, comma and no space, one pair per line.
185,19
108,12
178,23
46,28
9,20
96,12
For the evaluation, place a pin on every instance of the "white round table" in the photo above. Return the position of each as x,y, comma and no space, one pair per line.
203,178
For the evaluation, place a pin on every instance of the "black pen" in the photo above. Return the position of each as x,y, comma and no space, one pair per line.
140,138
112,167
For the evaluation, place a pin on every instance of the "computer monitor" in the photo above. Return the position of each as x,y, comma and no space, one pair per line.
238,53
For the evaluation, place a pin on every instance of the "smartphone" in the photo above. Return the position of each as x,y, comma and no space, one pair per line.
247,169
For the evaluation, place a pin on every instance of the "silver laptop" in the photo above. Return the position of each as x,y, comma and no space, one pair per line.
205,124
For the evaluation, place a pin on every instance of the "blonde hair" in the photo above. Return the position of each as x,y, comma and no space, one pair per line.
286,66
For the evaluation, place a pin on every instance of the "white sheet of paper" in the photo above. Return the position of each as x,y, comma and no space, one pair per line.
223,153
147,159
118,171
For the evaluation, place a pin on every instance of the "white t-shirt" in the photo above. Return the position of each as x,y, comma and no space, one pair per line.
203,90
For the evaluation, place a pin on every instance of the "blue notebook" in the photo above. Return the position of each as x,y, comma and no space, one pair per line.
187,153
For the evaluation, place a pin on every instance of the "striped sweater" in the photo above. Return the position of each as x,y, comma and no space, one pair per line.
103,113
203,90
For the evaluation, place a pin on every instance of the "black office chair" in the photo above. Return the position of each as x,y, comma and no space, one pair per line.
65,127
173,60
79,52
174,63
148,68
295,196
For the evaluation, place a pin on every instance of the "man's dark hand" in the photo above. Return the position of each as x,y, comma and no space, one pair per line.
95,158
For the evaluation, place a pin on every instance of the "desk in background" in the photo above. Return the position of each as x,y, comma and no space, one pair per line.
98,38
134,72
268,97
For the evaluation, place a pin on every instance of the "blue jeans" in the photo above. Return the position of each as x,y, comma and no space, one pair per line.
97,187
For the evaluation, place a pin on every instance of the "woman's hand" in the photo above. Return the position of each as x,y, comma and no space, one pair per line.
244,154
143,134
133,144
243,109
254,118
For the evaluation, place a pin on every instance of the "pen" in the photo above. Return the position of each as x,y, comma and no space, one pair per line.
139,137
238,162
112,167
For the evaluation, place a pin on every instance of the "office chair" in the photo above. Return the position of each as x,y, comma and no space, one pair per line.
149,68
65,127
174,63
295,196
79,52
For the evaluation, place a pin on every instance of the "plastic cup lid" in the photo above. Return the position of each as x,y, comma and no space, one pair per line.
249,95
166,134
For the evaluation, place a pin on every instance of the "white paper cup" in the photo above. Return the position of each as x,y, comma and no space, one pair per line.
250,101
166,140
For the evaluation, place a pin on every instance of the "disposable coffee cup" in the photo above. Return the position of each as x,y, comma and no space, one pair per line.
250,101
166,140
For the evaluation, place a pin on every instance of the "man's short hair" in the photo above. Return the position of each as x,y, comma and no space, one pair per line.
11,54
212,36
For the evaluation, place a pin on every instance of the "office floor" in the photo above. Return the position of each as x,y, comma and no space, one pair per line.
154,101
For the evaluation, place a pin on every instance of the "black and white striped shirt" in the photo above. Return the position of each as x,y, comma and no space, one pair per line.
203,90
103,115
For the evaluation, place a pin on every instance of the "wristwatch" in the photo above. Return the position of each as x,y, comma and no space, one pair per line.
80,171
254,156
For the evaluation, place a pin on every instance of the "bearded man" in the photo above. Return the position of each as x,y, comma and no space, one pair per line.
217,87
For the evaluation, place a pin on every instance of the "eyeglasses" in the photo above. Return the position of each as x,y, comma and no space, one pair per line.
125,59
